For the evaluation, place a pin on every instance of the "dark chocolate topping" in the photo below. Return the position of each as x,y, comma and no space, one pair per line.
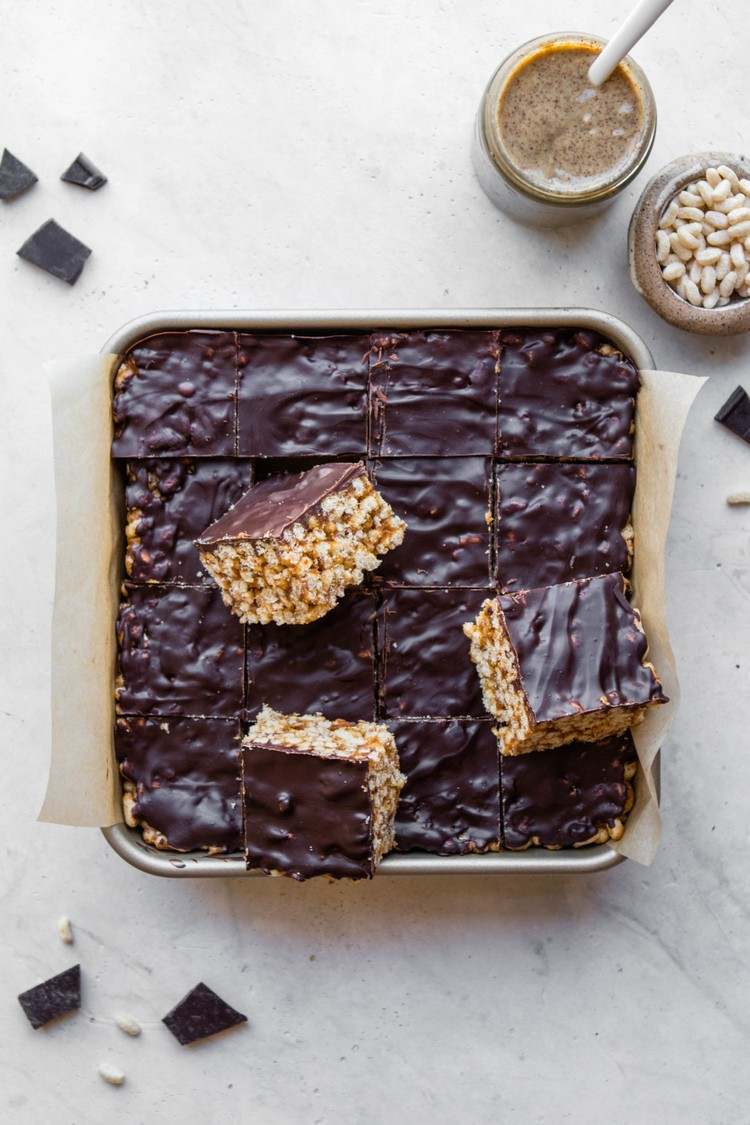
56,251
444,501
326,666
268,509
306,815
187,777
175,394
450,803
201,1013
84,173
562,796
735,413
425,668
558,522
15,177
579,648
176,501
302,395
52,998
180,653
433,393
560,397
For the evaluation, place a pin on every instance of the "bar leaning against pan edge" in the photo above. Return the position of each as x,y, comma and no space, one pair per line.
127,842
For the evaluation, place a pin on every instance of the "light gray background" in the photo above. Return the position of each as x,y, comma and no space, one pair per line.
316,154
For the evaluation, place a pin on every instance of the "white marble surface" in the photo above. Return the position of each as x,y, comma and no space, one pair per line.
285,154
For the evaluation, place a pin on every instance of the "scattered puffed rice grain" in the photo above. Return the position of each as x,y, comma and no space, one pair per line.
662,246
65,930
673,271
731,203
669,215
706,192
709,256
726,285
111,1074
128,1025
739,230
729,174
722,191
712,300
717,219
693,293
738,498
737,254
695,214
708,280
723,266
738,215
713,177
719,238
689,199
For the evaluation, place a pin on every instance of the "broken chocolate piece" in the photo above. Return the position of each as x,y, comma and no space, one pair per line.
53,997
735,414
84,173
53,249
15,177
201,1013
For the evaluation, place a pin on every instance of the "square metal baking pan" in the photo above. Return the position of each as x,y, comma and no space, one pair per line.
128,842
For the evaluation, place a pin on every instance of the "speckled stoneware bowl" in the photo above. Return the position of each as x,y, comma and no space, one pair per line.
645,271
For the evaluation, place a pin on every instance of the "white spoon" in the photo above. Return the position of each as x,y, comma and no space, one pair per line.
644,14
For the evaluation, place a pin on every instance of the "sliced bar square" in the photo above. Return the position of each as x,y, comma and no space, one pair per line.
563,663
556,522
168,505
450,804
292,546
319,796
565,394
570,796
181,781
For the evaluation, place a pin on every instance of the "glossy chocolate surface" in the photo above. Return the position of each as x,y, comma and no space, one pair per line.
425,669
433,393
187,777
326,666
306,815
52,998
268,509
175,395
450,803
578,648
558,522
177,500
201,1013
180,653
735,413
564,795
302,395
561,398
445,501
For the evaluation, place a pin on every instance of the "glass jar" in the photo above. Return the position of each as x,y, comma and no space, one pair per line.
523,197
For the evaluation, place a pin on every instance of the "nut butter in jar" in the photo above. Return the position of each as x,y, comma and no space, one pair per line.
550,148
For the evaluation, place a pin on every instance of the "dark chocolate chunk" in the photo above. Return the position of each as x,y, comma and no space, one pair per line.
268,509
84,173
560,798
186,774
433,393
302,395
565,394
53,249
557,522
201,1013
327,666
445,502
169,503
306,815
450,804
54,997
425,669
15,177
735,413
180,653
175,395
578,645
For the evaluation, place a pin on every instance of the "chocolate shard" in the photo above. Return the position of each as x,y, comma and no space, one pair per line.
735,414
52,998
53,249
84,173
201,1013
15,177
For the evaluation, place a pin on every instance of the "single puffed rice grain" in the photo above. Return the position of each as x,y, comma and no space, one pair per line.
719,238
745,186
723,266
738,215
706,192
726,286
742,272
693,213
662,246
737,254
673,271
688,235
128,1025
111,1074
717,219
669,215
65,930
713,177
708,280
729,174
709,256
695,272
689,199
729,204
679,248
693,293
722,191
722,302
738,498
712,300
739,230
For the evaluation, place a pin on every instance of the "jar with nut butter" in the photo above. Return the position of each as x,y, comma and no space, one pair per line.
549,147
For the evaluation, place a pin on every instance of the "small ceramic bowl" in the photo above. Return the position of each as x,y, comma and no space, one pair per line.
645,271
